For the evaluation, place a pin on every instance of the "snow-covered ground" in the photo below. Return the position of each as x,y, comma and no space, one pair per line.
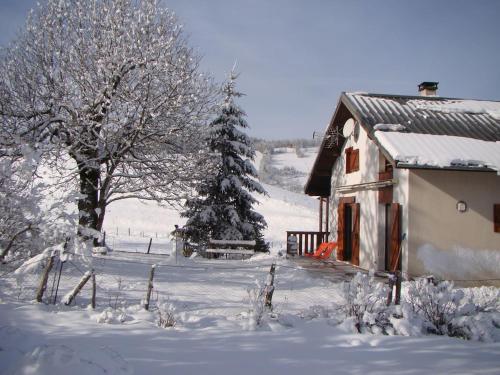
287,157
210,301
286,167
214,332
283,210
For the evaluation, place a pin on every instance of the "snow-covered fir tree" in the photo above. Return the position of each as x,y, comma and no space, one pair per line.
223,208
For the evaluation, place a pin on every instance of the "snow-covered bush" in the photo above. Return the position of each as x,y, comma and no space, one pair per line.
166,315
299,152
116,299
441,309
364,304
19,202
436,304
317,311
112,316
257,306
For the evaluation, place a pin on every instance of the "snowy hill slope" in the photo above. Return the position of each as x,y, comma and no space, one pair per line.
287,167
130,223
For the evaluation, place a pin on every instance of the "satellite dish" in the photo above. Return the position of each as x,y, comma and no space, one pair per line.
348,128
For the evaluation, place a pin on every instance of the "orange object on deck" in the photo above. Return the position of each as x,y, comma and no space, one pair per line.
323,251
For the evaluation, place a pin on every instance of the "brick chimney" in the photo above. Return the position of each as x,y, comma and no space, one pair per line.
428,88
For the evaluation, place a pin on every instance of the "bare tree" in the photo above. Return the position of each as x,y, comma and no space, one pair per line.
114,89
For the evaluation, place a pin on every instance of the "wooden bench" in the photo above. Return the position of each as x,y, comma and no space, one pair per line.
231,247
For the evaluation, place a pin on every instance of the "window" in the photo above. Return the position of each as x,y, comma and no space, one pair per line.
351,160
496,218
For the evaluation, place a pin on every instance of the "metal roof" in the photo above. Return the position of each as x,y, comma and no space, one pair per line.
475,119
428,115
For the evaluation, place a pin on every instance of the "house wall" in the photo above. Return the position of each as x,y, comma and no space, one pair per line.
401,196
372,230
434,219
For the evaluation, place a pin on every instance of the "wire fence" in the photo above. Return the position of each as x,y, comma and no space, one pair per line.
122,278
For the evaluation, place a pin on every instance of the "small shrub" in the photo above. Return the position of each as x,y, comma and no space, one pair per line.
116,299
436,303
257,308
364,303
166,315
472,314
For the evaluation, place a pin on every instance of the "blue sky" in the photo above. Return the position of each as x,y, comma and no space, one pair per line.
296,57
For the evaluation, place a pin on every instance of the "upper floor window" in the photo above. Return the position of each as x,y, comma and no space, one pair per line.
351,160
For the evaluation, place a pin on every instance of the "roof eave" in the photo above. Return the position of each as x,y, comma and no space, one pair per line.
309,189
403,165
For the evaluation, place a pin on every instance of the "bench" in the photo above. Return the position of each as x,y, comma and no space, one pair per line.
231,247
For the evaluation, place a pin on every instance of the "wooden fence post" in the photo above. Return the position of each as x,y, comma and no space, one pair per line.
397,298
43,280
149,246
58,281
150,287
77,289
270,287
93,289
392,282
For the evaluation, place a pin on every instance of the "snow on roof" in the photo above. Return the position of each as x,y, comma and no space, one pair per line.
440,151
459,106
478,119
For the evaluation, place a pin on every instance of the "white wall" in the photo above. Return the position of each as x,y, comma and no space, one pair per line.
401,196
368,199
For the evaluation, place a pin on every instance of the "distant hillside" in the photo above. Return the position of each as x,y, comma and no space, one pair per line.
283,167
286,163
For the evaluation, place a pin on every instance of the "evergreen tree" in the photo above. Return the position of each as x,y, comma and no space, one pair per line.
223,207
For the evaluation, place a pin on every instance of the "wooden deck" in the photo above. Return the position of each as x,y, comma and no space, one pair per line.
333,270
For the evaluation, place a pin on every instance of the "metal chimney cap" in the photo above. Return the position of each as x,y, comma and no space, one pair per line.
428,86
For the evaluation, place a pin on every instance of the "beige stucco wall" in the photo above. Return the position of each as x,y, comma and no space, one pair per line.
434,219
429,216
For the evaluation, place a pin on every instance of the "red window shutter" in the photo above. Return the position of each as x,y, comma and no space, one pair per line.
348,160
355,234
496,217
385,195
386,175
395,245
340,231
355,160
351,160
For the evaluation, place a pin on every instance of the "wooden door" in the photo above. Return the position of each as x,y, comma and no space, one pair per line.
340,231
355,234
348,230
395,238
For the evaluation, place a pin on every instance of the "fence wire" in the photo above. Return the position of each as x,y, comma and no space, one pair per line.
122,279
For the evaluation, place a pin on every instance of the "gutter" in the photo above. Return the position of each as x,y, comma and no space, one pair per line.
366,185
403,165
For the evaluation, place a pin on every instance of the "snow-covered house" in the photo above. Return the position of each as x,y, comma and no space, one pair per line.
412,183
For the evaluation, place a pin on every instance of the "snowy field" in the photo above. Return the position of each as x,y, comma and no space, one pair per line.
214,332
283,210
215,329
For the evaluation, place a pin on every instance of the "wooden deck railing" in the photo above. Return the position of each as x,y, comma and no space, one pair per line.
307,242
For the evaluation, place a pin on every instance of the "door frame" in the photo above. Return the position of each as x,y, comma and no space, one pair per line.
348,204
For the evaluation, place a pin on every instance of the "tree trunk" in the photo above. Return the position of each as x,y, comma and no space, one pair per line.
87,205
